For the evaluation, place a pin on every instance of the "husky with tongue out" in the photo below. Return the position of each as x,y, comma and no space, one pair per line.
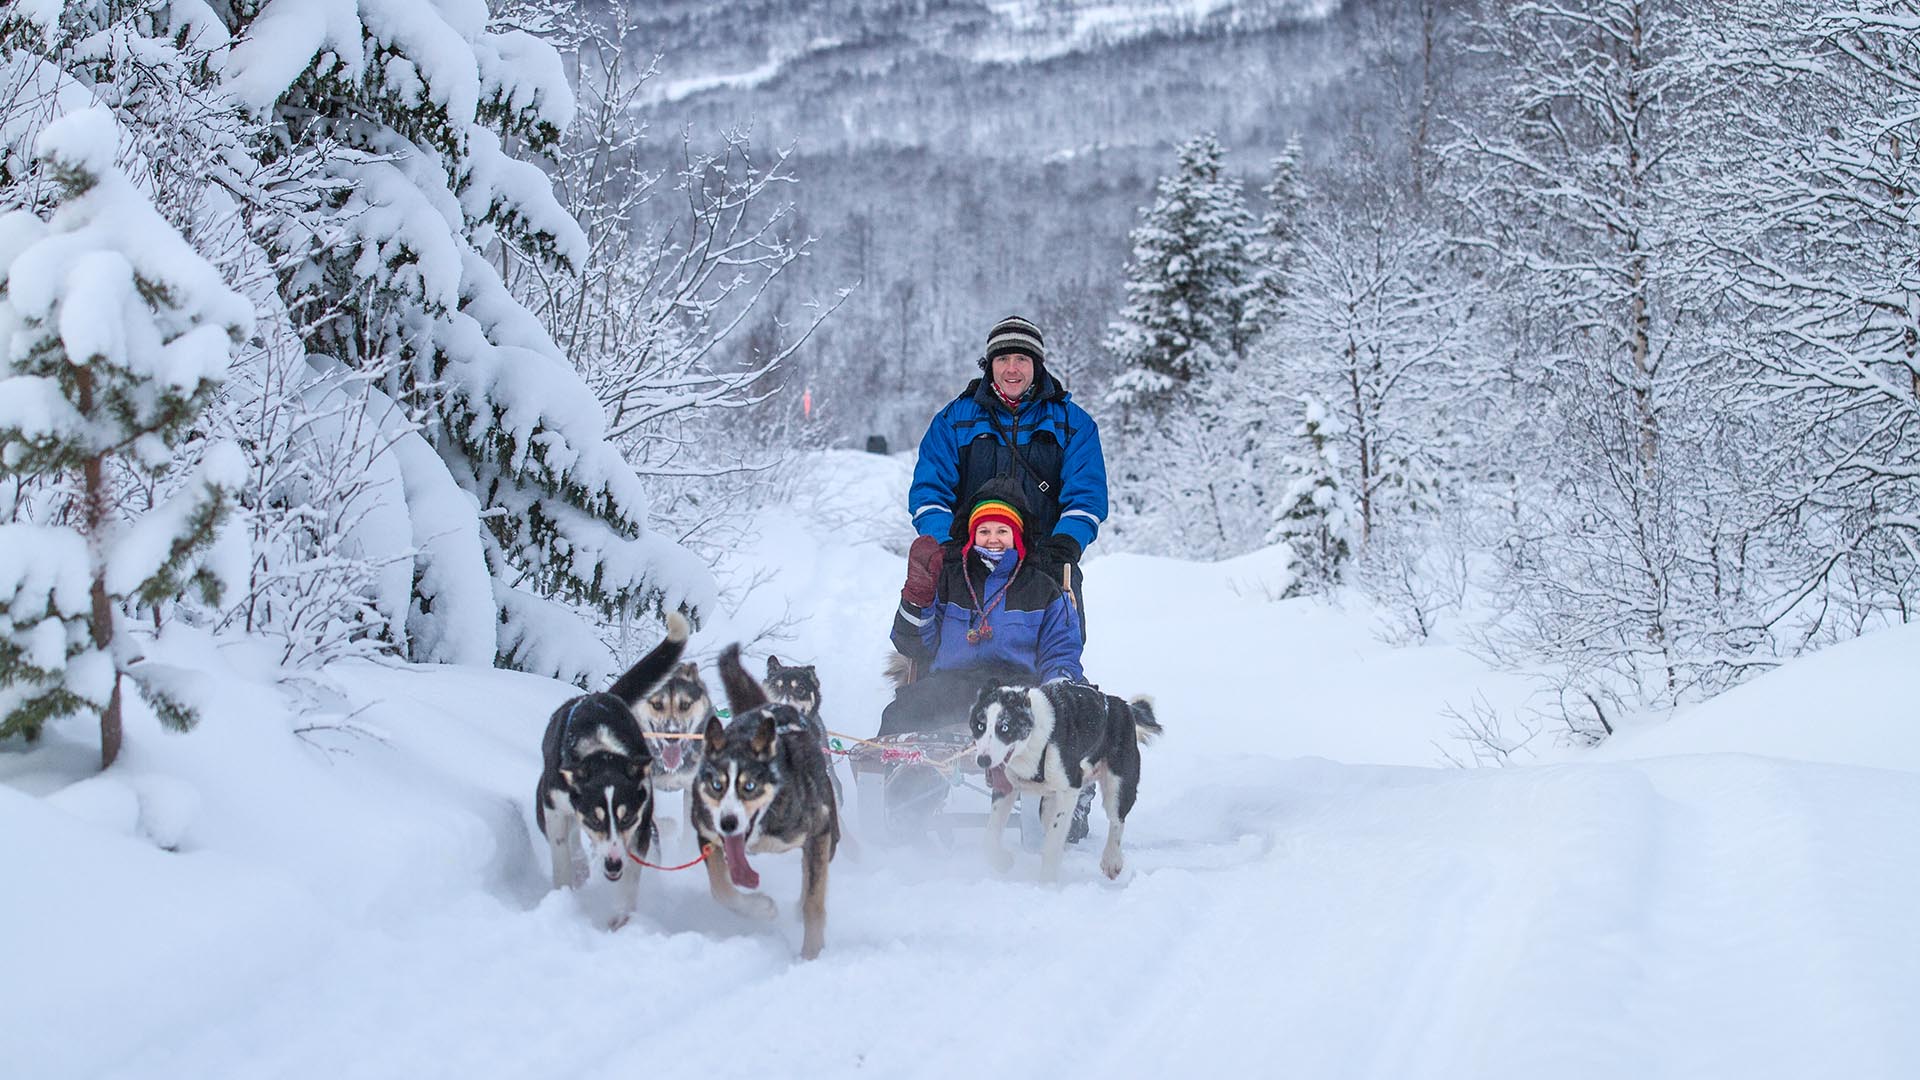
764,787
674,716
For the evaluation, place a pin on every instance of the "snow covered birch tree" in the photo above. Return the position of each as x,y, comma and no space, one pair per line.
677,260
116,334
1375,329
1574,171
1824,245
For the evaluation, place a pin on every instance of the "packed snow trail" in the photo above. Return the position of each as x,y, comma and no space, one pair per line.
1681,918
367,899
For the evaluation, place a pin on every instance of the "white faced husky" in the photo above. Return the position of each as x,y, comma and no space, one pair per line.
596,773
674,715
1052,740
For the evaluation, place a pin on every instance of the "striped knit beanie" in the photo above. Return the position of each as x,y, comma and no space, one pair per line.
1003,512
1014,334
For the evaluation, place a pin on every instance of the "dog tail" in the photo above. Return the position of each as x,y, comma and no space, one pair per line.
654,667
899,669
742,692
1145,724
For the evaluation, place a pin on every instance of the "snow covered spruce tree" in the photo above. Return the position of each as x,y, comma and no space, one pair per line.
116,334
524,513
1279,238
1316,516
1190,284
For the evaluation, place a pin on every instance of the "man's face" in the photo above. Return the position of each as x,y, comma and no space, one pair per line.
1012,374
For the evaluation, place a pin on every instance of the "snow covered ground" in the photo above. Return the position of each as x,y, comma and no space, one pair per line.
353,887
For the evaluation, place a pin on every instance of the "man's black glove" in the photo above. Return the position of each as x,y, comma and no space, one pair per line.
1059,549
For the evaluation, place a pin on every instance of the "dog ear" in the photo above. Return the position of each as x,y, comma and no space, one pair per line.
773,666
715,735
763,738
690,669
742,692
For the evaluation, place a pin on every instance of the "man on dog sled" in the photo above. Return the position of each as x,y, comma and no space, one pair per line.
1015,423
1015,433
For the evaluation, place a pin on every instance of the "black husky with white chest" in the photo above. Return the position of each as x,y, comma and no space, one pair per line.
1052,740
764,787
596,773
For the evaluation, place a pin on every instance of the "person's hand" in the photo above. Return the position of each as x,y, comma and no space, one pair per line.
923,571
1059,549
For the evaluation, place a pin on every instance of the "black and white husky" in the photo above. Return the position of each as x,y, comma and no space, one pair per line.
595,774
1052,740
764,787
674,716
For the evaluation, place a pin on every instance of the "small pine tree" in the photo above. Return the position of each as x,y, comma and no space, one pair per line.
1190,284
115,335
1316,516
1279,239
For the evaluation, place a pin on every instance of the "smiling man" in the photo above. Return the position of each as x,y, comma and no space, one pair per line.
1016,422
1014,425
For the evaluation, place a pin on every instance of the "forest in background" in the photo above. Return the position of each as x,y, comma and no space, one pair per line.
1588,332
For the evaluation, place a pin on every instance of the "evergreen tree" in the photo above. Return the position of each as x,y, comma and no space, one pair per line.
434,113
1316,517
116,335
1279,240
1191,282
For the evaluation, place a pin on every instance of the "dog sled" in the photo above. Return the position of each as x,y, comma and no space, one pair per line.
921,786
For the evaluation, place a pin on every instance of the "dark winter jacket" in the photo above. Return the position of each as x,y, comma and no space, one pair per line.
1034,626
1065,477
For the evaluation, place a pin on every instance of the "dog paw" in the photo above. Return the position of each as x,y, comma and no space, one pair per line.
618,921
756,906
1111,864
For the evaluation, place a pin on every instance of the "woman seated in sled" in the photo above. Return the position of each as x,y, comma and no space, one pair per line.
994,618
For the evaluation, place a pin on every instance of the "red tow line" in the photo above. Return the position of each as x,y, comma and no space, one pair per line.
704,848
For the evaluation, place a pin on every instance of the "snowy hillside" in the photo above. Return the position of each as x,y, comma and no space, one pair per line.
743,45
340,878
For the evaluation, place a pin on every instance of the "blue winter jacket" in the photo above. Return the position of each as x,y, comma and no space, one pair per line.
1034,625
967,444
